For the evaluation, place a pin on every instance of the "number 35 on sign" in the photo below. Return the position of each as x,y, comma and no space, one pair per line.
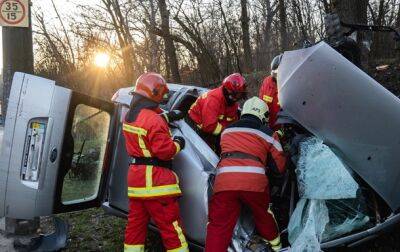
14,13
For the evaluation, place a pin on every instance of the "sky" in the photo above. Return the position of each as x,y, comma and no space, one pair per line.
63,6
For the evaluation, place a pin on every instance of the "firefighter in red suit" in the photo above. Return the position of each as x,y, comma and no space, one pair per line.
269,93
249,150
153,188
216,109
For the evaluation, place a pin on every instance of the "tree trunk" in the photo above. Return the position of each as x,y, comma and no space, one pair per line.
283,27
351,11
153,66
170,49
297,10
248,64
125,39
354,12
269,16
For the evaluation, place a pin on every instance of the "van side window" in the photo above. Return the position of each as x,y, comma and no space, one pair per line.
89,132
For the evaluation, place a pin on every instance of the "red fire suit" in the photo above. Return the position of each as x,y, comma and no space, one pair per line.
269,93
241,180
152,190
211,112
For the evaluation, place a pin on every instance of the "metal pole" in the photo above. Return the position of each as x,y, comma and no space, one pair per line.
17,57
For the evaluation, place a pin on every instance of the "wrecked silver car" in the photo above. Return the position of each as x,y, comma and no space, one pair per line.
64,151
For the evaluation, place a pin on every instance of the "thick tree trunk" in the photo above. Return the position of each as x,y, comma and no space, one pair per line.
153,66
283,26
269,16
248,64
351,11
169,43
354,12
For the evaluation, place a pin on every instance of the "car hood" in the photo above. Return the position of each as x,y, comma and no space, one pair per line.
351,112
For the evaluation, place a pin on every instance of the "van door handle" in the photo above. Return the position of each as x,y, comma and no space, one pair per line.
53,155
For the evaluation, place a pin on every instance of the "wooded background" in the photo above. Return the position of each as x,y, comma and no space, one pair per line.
192,41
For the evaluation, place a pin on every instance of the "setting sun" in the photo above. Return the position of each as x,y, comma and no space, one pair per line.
101,59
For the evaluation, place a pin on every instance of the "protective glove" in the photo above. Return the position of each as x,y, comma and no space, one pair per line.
173,115
180,140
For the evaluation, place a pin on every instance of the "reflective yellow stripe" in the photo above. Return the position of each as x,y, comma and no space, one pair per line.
276,244
140,132
149,176
142,146
273,215
182,239
279,132
166,117
218,129
276,241
267,98
133,248
135,130
181,249
154,191
229,119
176,176
178,148
178,230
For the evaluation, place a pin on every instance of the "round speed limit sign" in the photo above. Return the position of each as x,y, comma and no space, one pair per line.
14,13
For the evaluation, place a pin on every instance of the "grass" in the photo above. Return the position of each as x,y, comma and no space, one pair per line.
74,189
93,230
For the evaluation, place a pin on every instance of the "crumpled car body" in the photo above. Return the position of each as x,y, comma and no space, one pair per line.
50,130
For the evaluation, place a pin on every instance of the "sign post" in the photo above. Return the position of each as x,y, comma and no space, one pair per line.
17,57
17,43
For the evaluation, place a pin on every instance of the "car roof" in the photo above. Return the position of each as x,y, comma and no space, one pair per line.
123,96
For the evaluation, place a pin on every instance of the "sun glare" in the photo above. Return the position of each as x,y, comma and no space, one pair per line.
101,60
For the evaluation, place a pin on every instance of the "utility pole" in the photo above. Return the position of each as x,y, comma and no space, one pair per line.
17,57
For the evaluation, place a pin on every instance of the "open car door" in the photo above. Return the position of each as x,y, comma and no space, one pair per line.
54,156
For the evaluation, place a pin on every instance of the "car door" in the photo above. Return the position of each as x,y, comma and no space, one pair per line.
54,151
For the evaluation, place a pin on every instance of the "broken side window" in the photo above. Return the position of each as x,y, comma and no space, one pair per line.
331,203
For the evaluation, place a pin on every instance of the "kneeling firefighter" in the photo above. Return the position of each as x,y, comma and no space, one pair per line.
246,148
153,188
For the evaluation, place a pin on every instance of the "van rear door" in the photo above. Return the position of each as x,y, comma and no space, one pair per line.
53,156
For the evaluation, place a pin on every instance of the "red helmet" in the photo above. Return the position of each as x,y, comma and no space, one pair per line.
235,84
152,86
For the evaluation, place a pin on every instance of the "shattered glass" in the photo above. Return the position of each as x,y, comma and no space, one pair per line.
307,225
320,173
331,203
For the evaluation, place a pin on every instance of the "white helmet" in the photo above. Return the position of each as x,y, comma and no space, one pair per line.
257,107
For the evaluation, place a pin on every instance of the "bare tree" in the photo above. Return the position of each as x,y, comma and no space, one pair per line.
170,51
248,61
398,16
283,27
124,35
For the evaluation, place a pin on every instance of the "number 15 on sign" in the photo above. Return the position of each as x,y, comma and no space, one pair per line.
14,13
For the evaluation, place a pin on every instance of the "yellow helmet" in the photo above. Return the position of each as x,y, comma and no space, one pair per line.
257,107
